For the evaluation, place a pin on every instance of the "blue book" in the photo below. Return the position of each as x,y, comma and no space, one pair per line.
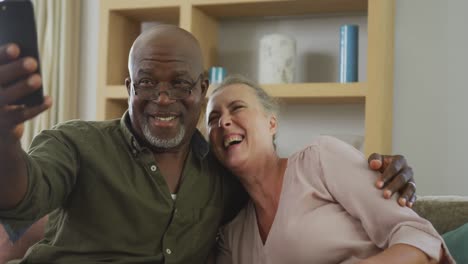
349,46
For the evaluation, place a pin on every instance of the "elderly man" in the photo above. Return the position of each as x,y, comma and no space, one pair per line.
142,189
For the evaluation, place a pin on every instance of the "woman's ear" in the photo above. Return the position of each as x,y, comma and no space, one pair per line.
273,124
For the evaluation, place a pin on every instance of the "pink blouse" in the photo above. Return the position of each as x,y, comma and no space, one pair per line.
329,212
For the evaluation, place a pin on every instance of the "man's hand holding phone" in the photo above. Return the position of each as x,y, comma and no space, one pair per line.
21,95
17,80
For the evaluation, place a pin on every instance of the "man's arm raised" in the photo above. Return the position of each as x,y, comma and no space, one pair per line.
16,81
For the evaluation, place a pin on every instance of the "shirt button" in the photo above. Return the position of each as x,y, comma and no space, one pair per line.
154,168
168,251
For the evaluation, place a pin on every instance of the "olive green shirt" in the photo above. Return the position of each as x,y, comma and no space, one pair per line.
112,205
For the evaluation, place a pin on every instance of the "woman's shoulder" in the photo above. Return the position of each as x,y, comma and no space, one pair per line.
325,144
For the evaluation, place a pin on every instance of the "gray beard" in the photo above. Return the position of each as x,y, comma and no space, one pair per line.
163,143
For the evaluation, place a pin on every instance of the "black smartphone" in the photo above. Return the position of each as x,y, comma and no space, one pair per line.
17,25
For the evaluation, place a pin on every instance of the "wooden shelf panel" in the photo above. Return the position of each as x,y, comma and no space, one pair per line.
139,4
297,92
115,108
259,8
318,92
124,24
145,10
116,92
167,15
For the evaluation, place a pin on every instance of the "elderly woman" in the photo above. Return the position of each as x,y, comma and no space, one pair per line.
304,208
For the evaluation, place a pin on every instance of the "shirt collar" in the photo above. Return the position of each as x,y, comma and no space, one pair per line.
200,146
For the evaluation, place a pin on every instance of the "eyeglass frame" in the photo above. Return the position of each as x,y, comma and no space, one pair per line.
155,90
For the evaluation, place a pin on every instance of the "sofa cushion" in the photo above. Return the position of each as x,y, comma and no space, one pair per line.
446,213
457,242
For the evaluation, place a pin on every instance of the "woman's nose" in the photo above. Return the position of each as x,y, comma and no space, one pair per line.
224,122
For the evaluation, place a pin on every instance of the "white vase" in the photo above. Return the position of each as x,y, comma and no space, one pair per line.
277,62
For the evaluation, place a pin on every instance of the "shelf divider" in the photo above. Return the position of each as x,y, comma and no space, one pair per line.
324,93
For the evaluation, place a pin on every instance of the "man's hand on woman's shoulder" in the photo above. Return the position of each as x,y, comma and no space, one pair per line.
396,176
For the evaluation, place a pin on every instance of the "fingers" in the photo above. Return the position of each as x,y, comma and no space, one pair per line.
17,80
396,176
392,165
17,69
375,161
399,182
16,77
11,116
407,194
8,52
381,163
14,115
379,183
20,89
412,200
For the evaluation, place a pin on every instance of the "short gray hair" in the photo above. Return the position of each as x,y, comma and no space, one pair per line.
270,104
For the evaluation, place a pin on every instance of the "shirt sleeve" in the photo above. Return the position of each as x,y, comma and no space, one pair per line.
346,175
52,166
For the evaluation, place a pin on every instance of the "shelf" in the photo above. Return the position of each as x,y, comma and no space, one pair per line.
324,93
317,93
248,8
126,5
238,8
124,24
116,92
168,15
121,22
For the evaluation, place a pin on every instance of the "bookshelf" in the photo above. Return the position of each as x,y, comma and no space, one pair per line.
120,24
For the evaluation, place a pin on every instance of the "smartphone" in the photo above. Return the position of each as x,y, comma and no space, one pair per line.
17,25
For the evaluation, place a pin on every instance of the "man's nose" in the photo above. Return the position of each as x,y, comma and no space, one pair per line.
162,96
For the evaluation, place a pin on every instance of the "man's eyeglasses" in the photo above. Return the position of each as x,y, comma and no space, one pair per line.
176,90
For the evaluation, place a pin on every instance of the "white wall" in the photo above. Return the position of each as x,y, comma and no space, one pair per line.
430,124
457,84
430,109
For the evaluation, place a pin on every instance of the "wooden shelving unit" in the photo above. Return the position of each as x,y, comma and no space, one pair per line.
121,23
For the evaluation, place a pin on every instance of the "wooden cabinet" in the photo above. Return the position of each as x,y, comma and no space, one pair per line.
121,22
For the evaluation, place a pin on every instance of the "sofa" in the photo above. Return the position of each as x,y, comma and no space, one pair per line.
446,213
449,215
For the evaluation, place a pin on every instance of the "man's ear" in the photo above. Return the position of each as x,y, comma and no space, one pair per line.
205,83
273,124
128,84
